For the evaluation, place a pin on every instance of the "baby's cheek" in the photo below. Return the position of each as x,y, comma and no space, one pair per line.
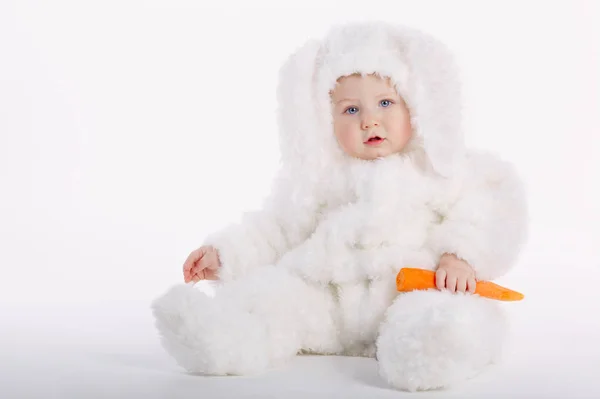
350,140
347,139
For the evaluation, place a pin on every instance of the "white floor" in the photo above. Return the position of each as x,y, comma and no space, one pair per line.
111,350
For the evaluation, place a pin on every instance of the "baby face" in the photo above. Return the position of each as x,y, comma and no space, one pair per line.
370,119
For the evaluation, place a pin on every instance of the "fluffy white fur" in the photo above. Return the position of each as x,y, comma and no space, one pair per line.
314,270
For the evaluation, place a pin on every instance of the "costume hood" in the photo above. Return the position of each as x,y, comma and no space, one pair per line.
420,67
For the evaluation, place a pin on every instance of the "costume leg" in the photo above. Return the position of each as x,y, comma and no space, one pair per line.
250,325
434,339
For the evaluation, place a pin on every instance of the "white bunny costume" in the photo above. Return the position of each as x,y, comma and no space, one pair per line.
314,271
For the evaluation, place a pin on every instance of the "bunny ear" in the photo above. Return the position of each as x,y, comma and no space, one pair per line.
294,94
307,143
435,99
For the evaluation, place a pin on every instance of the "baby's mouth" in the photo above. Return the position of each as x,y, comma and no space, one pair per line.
374,140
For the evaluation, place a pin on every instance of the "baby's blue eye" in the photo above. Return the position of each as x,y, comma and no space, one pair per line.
388,102
351,109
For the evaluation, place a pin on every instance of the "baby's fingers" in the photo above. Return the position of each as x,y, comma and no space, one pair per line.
471,285
192,265
440,279
198,276
188,272
451,280
198,270
193,258
461,284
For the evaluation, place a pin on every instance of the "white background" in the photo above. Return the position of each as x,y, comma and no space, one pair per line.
129,130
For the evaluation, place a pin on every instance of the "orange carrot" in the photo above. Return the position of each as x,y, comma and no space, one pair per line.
409,279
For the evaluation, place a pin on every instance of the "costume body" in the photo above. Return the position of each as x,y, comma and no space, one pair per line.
314,270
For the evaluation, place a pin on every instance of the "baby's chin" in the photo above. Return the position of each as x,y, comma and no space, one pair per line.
370,154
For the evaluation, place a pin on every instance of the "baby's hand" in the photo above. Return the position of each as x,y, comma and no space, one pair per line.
202,264
455,275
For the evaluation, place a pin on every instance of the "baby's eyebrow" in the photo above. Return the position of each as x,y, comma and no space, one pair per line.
356,99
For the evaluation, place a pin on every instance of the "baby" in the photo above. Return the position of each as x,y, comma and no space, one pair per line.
374,177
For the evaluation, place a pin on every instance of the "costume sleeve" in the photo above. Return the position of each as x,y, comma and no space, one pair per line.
487,225
261,237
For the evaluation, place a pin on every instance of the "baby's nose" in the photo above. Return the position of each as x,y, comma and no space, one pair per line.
369,123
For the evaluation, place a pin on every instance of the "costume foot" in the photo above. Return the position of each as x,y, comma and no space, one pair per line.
434,339
209,335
